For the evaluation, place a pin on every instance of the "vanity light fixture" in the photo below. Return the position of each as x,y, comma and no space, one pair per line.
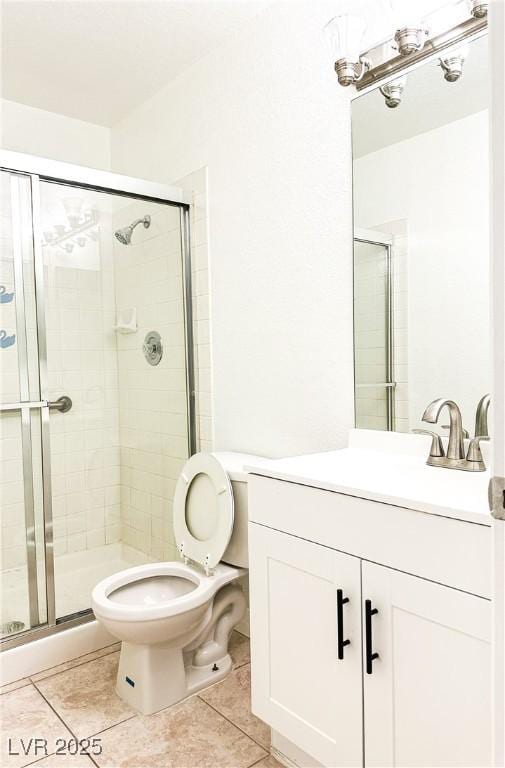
422,29
452,64
478,9
73,210
393,92
345,36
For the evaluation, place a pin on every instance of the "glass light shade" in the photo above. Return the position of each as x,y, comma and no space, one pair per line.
412,13
72,205
345,36
447,16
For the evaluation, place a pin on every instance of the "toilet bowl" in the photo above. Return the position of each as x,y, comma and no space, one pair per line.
175,618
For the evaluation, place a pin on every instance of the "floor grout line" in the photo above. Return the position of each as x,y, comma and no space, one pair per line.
235,724
18,688
74,666
109,727
78,740
109,650
257,762
59,718
54,710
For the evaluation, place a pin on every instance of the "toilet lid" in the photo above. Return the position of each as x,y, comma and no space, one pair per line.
203,510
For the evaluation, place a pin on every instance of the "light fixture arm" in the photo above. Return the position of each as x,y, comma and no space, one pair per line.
469,29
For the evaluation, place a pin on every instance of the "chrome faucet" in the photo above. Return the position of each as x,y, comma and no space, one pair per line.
481,426
455,458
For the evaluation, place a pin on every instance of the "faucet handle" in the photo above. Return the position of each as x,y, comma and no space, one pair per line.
481,423
466,433
437,449
474,451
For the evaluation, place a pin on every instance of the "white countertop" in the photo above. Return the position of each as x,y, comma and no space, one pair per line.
389,468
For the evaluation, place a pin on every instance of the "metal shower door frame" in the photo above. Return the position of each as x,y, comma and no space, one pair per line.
390,383
39,170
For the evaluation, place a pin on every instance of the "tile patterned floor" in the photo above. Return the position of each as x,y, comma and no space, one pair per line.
76,700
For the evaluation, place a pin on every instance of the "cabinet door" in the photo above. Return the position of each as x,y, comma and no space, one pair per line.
300,686
427,700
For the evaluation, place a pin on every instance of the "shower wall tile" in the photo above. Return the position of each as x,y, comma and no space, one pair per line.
153,406
369,341
152,399
82,360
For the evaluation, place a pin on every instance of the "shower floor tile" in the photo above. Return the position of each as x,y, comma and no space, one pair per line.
214,729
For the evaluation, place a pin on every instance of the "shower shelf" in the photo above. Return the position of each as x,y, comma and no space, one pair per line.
126,321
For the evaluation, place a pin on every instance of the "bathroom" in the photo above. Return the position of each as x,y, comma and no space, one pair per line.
239,271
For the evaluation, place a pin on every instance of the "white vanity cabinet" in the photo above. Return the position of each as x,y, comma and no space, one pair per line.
300,686
425,699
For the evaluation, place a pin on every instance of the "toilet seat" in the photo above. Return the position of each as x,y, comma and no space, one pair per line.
203,512
105,606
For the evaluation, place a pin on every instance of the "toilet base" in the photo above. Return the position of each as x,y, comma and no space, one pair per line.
202,677
153,677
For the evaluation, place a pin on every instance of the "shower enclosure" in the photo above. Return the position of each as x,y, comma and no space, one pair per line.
373,332
96,383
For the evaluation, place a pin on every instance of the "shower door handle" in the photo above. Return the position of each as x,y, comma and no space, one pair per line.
62,404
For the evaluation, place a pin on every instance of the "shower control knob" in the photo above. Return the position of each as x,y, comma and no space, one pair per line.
153,348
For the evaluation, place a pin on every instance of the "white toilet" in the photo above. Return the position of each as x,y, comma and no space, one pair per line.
175,619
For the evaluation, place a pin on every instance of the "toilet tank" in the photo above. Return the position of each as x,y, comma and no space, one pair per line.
237,553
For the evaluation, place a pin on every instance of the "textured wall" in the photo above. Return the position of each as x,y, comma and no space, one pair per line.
265,115
47,134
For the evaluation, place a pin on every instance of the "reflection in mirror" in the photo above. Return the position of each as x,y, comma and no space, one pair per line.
421,249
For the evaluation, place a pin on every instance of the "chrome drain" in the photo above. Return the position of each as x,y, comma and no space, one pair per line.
12,627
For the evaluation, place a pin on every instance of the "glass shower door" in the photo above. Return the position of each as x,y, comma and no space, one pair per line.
373,336
23,552
111,283
96,420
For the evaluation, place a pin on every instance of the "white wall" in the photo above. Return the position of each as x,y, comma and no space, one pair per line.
47,134
264,113
448,246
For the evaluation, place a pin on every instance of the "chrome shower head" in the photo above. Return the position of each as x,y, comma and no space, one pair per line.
124,235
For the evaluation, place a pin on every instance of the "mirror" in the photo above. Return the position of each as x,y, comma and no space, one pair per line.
421,245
